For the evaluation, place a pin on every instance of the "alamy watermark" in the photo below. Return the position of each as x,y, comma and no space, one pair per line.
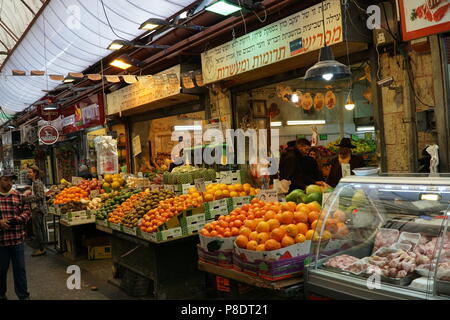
74,280
236,152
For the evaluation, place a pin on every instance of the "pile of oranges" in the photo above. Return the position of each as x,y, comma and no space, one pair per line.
168,209
267,226
117,215
72,194
217,191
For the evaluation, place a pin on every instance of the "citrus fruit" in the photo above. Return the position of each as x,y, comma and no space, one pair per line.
242,194
261,247
241,241
225,193
313,216
238,187
287,217
314,206
340,216
287,241
253,236
273,223
300,238
292,230
272,244
262,237
309,234
300,216
302,228
233,194
277,234
251,224
263,227
245,231
218,194
269,215
251,245
326,235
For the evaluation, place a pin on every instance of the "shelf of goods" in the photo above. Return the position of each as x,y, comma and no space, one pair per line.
394,240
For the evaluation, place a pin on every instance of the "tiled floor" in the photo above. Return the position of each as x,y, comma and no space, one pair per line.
47,279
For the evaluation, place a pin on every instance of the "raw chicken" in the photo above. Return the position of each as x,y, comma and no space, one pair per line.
341,262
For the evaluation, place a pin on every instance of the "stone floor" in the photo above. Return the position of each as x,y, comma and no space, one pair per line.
47,279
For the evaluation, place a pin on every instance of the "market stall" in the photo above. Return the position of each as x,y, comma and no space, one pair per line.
395,244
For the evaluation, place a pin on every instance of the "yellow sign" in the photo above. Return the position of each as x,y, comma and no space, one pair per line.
147,89
297,34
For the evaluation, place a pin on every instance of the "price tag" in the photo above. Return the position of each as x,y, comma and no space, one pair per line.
76,180
94,193
268,195
100,178
169,187
226,177
200,185
157,187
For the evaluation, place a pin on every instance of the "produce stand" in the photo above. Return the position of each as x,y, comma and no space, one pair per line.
171,265
286,288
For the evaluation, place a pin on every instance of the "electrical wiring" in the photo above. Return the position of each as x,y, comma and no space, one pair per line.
109,23
265,16
243,19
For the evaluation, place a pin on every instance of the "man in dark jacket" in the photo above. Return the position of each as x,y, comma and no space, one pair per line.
299,168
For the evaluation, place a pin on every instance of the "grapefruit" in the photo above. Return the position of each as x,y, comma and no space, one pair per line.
313,216
253,236
251,224
309,234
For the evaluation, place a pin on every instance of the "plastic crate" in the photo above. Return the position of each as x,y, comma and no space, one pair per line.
134,284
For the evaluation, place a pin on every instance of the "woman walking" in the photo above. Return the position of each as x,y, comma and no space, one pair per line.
36,198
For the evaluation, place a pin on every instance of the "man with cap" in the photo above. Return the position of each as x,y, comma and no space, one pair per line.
14,214
344,163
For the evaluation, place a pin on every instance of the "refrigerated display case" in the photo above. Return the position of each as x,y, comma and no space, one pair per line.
383,237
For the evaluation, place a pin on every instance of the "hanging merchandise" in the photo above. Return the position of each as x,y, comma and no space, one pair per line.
434,162
330,99
107,155
319,101
307,101
315,137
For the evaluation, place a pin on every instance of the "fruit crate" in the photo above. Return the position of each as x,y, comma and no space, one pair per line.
134,284
215,205
217,251
273,265
238,202
103,223
214,214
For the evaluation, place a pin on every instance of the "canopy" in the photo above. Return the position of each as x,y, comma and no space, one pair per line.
69,36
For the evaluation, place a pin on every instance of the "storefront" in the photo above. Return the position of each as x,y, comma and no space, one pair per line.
154,107
265,73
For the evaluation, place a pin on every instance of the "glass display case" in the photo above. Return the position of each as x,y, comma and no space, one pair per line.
383,237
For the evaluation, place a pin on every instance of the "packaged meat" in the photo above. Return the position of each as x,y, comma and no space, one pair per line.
410,238
385,238
421,284
358,267
340,262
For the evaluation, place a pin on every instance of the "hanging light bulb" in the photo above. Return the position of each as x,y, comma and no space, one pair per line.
294,98
327,68
349,105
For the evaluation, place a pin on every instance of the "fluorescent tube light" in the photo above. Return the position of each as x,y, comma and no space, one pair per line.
276,124
305,122
365,128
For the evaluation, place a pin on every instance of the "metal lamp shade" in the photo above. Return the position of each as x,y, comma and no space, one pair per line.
327,65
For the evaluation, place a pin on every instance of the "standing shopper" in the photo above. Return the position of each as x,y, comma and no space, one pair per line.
36,197
14,214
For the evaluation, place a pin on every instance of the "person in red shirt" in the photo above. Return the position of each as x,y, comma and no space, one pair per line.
14,214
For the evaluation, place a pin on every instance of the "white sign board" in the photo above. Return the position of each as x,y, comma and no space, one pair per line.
297,34
147,89
137,145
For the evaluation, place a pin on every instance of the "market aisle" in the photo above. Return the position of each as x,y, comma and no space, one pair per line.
47,279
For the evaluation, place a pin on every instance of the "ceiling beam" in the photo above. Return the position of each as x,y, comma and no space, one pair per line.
28,7
8,31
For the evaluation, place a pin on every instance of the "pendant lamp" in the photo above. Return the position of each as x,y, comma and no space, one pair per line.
327,68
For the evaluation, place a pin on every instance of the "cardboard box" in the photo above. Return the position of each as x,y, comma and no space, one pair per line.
238,202
217,251
193,228
99,248
115,226
103,223
215,204
130,231
216,213
273,265
76,215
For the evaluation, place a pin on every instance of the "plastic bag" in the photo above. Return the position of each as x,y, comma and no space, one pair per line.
385,238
